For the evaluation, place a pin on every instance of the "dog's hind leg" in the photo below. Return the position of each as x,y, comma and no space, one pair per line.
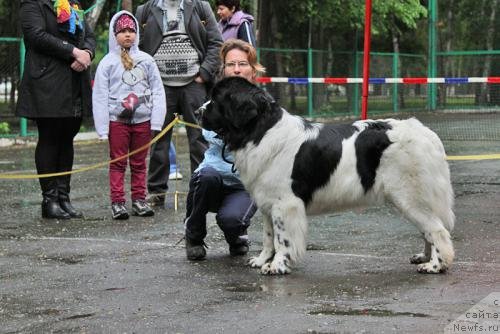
423,257
441,252
290,229
267,253
438,253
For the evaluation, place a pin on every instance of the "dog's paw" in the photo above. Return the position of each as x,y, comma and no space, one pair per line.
430,268
255,262
419,258
275,268
259,261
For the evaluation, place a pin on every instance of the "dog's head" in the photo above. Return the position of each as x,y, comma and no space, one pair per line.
239,111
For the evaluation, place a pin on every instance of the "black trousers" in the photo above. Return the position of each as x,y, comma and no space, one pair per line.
54,151
232,204
184,101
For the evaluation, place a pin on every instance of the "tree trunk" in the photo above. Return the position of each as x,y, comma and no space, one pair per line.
478,68
267,31
94,14
448,68
127,5
490,34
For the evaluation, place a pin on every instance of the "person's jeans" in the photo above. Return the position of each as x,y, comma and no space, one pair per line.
185,101
233,205
172,155
124,138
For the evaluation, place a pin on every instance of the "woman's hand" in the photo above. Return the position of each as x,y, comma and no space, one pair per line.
82,57
76,66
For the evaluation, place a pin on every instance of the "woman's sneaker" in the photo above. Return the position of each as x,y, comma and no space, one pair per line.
141,208
119,211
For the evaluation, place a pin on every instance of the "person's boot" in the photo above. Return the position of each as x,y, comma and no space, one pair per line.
240,246
50,206
195,250
67,207
64,201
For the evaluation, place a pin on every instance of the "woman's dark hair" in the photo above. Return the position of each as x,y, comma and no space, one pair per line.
229,4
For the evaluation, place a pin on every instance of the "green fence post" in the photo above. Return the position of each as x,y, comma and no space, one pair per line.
395,60
432,69
309,85
355,100
22,53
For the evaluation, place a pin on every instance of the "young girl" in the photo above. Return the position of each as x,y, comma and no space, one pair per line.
128,105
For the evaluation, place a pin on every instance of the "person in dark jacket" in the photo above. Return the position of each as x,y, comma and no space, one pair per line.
234,23
55,91
215,186
183,38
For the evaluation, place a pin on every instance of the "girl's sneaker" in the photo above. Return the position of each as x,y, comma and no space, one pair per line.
119,211
141,208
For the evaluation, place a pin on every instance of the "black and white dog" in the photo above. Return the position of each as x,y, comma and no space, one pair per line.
293,168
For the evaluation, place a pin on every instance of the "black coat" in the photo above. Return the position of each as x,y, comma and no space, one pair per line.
46,88
201,27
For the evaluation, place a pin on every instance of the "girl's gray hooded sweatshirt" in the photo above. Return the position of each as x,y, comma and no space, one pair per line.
139,89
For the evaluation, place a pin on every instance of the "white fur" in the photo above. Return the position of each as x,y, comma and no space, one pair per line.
413,174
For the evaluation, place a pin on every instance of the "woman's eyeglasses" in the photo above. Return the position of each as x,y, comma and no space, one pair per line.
233,64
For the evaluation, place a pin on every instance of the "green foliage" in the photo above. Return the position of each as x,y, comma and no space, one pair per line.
4,128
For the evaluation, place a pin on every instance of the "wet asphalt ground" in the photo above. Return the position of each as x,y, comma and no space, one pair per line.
96,275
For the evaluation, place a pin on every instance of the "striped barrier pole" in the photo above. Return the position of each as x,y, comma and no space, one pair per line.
343,81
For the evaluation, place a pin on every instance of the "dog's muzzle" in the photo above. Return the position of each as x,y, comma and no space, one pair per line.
201,115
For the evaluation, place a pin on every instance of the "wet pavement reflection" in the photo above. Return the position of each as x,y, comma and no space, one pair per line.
96,275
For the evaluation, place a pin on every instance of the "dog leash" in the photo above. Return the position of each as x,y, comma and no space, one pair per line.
233,169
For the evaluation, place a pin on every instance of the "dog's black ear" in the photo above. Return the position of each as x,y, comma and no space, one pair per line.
240,100
265,101
244,109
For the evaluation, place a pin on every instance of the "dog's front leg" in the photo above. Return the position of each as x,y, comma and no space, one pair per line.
267,253
290,229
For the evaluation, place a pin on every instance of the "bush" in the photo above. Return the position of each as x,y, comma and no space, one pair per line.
4,128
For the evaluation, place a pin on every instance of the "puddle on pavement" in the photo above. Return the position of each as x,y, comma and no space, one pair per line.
79,316
252,287
115,289
364,312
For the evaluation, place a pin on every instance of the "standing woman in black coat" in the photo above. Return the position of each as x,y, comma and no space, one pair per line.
55,91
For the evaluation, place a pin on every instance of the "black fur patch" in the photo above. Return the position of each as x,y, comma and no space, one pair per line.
370,145
240,112
278,223
317,159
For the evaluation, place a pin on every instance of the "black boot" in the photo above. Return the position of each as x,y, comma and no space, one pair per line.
50,206
65,204
63,193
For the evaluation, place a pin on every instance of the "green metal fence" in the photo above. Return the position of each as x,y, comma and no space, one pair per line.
344,100
321,100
